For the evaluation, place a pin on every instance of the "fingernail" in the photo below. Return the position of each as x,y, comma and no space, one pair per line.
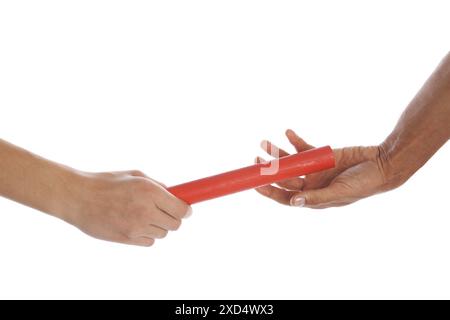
188,213
298,201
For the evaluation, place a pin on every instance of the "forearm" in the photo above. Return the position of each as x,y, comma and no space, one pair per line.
34,181
422,129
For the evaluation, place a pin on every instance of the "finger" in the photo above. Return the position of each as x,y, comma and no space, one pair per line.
140,241
299,144
319,198
157,232
294,184
170,204
272,149
260,160
277,194
151,231
166,222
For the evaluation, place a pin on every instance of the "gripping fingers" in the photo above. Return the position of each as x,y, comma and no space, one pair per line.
151,231
166,222
277,194
294,184
171,205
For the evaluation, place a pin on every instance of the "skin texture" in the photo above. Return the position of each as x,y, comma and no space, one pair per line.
360,172
126,207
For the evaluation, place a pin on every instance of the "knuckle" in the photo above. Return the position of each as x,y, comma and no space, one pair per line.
136,173
128,231
131,227
141,184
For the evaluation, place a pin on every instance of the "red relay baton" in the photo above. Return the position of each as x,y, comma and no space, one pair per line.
295,165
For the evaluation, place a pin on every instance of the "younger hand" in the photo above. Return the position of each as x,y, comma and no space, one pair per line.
126,207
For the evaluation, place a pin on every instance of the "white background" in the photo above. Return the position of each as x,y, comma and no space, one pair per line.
185,89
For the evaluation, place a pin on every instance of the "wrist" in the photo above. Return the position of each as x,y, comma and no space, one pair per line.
394,165
69,194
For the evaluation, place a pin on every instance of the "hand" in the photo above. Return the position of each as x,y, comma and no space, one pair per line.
125,207
359,173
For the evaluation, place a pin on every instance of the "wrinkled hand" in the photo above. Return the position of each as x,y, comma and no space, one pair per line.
358,174
126,207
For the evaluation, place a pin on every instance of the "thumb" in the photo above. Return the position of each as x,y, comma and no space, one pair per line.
317,198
